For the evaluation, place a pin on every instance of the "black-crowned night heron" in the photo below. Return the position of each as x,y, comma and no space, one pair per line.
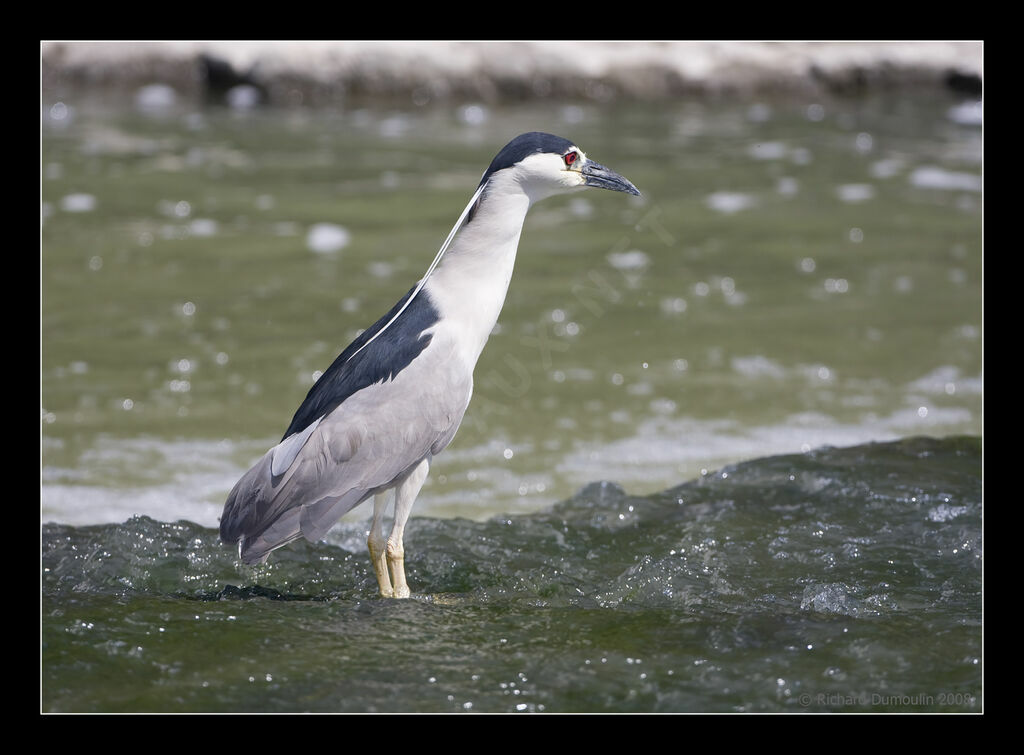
394,398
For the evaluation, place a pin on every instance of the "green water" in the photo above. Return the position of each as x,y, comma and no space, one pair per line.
797,274
843,580
641,341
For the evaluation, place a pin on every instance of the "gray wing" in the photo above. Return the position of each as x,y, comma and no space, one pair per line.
366,444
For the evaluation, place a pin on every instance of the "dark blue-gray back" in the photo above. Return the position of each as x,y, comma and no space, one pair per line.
388,355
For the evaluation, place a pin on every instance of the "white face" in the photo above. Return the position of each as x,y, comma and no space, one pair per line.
544,174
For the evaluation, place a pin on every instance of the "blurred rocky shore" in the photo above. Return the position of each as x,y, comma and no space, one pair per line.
332,73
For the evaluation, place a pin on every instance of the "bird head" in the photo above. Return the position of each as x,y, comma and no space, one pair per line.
543,165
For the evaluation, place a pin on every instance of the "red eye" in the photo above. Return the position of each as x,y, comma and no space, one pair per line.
570,157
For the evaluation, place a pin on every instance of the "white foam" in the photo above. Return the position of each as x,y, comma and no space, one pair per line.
327,238
728,202
932,177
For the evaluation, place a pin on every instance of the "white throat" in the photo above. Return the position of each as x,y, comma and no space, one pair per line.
470,275
470,284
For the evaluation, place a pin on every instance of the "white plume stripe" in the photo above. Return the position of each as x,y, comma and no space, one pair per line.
423,280
284,453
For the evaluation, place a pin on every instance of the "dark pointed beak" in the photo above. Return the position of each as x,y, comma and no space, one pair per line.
603,178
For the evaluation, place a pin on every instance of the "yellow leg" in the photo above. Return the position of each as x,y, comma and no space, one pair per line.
405,496
378,547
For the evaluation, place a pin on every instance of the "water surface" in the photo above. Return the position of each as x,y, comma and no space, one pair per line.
843,580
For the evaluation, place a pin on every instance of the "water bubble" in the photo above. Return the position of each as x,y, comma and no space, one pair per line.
807,264
729,202
581,208
787,186
392,126
203,227
931,177
922,411
58,111
967,113
864,142
856,235
674,305
758,367
326,238
944,512
80,202
815,112
243,97
474,115
127,404
507,453
188,309
855,192
767,151
381,269
95,262
634,259
887,168
155,98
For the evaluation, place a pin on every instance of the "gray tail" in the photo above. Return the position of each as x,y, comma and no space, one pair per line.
262,514
254,519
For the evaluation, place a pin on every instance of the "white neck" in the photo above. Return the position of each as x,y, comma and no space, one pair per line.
470,284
